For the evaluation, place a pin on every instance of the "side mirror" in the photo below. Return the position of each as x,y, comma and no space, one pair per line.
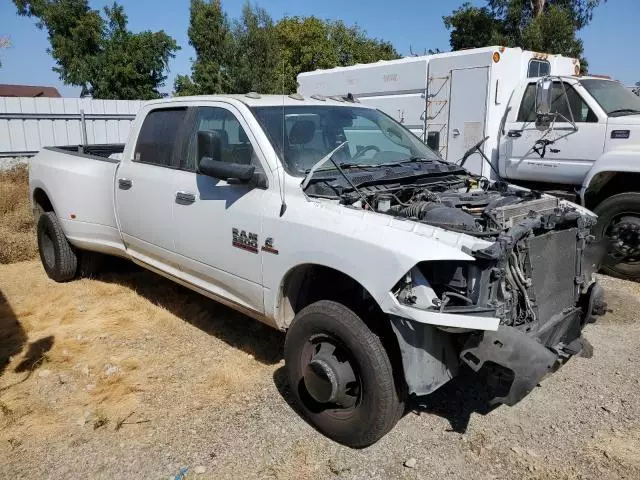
209,164
543,97
433,141
225,170
209,145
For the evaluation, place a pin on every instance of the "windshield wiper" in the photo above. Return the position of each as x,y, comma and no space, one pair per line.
329,157
319,163
345,165
630,111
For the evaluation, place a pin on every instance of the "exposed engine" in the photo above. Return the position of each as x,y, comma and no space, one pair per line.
537,251
476,211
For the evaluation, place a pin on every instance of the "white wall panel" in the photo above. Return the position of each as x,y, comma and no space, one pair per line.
28,124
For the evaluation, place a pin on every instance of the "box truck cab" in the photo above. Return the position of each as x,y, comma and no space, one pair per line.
585,146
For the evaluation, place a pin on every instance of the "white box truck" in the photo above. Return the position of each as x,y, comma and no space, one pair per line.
583,146
453,99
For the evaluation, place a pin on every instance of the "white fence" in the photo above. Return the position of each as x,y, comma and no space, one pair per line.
28,124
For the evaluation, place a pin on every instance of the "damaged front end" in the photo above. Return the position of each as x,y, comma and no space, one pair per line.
536,278
515,308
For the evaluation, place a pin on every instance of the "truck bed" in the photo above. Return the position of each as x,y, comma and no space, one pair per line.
99,151
80,183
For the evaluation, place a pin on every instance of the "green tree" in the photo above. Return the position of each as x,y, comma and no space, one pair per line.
539,25
98,53
309,43
254,53
472,27
211,38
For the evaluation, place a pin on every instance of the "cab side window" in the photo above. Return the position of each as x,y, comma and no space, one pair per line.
158,140
235,146
575,105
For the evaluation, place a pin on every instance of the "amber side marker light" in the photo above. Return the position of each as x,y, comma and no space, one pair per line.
496,57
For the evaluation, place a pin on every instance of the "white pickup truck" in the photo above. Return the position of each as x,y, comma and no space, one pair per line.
388,267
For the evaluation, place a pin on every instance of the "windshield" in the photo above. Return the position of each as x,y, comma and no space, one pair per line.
614,99
312,131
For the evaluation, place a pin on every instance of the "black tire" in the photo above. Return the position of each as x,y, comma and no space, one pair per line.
89,263
57,255
378,406
607,211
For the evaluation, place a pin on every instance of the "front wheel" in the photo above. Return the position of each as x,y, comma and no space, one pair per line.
619,226
340,375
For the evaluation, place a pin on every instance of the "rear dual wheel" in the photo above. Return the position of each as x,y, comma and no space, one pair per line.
340,375
61,260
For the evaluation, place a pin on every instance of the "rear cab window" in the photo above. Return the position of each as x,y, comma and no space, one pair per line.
538,68
158,141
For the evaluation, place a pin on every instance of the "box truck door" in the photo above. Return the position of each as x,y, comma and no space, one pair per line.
467,113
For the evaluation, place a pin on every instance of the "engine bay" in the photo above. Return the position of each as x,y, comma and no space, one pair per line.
531,272
534,268
475,208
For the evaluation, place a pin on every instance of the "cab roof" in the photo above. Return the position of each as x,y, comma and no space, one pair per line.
259,100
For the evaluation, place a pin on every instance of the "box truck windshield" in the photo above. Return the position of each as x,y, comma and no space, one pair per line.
614,99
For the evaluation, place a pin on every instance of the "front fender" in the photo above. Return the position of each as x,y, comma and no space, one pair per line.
375,250
621,160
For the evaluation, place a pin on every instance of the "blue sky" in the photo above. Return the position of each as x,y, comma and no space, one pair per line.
610,40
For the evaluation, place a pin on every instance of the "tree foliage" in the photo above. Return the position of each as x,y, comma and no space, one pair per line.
254,53
540,25
210,36
96,51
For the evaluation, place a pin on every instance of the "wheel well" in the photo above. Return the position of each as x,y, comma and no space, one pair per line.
307,284
607,184
41,201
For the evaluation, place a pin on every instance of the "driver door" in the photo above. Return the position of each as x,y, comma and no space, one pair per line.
571,153
218,223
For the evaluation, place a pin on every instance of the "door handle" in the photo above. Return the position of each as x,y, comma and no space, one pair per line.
185,198
124,183
514,133
455,132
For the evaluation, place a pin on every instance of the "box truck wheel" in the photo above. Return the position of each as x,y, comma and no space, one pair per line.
56,253
619,226
340,375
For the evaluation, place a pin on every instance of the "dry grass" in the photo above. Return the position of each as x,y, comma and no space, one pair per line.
92,351
17,235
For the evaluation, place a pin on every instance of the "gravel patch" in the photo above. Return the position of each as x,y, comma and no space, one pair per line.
144,379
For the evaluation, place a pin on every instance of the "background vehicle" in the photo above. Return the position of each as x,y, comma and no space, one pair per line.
588,153
387,267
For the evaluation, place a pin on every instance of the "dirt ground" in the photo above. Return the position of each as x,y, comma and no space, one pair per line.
129,376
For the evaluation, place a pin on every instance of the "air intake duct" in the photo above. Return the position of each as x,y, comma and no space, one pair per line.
436,214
